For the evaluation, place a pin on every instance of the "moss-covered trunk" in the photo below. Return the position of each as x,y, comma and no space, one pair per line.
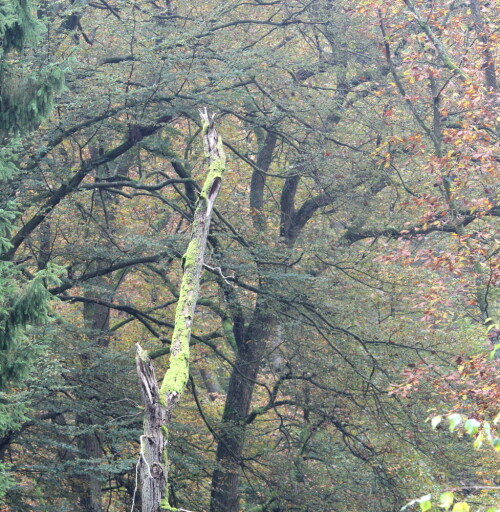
160,401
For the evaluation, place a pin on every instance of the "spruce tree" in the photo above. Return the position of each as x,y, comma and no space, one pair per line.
26,93
26,98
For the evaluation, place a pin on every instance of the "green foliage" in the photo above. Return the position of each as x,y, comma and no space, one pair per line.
6,218
6,480
9,153
353,176
481,432
22,304
447,501
56,394
26,94
27,97
18,28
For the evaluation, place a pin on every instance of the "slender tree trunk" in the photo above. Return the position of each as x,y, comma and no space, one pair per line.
97,322
96,318
257,184
161,401
90,496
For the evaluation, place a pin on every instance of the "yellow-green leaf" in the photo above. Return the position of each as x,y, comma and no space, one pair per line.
436,421
461,506
446,500
425,503
455,420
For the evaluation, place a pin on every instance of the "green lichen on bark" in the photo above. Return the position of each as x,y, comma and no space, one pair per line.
227,327
216,170
189,258
176,378
177,374
166,506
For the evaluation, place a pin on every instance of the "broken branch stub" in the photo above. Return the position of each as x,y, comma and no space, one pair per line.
161,401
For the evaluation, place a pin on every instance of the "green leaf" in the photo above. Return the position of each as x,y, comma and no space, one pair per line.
496,444
461,506
425,502
487,430
471,426
436,421
455,420
425,505
446,500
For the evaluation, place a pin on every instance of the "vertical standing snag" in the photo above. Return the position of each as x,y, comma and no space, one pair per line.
160,401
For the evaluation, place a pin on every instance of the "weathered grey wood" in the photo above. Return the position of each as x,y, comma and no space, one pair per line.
152,466
161,401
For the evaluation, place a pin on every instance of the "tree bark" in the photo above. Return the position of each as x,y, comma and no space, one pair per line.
152,463
251,350
258,182
161,401
96,319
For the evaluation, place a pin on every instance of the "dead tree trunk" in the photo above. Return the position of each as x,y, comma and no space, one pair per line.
160,401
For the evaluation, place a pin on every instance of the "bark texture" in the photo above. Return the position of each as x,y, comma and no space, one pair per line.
161,401
251,351
153,468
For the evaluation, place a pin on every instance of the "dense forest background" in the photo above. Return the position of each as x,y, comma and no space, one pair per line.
349,301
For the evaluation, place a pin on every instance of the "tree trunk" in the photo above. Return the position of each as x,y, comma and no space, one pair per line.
153,464
160,402
251,347
90,494
259,338
97,318
225,480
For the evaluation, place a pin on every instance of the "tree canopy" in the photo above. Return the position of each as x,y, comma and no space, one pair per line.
349,287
